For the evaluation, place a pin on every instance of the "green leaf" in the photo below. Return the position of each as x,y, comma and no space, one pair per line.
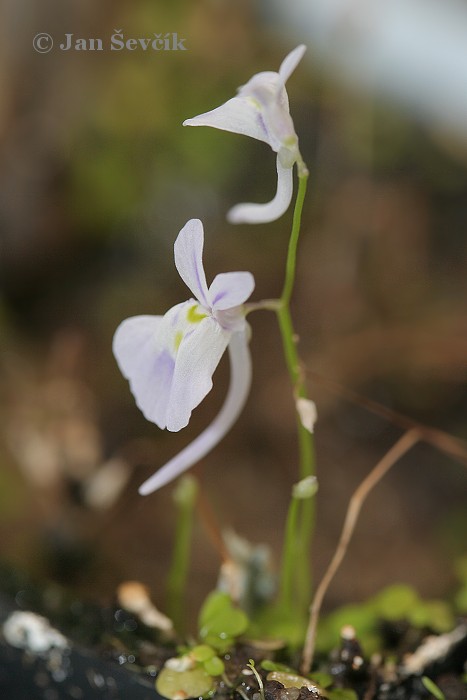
202,653
214,666
435,614
324,680
220,621
280,624
433,688
193,683
396,602
363,617
215,603
268,665
289,680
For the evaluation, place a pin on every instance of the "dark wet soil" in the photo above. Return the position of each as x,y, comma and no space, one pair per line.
110,654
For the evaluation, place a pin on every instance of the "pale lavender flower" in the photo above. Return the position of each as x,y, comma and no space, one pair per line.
261,110
169,360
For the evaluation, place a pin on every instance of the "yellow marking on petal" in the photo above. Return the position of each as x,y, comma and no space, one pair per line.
255,102
193,315
178,339
291,140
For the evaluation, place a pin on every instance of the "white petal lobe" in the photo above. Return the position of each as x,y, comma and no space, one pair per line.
264,213
230,289
240,381
239,115
290,62
198,356
188,251
143,360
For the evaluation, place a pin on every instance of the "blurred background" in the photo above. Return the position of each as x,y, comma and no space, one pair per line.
97,177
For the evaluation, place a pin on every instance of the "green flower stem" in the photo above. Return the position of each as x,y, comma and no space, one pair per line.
298,540
289,337
289,558
185,495
293,242
304,533
295,578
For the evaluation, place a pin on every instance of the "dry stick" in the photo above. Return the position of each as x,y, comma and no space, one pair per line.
453,446
212,527
408,440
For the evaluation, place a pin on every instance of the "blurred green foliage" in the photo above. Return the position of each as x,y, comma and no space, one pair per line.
395,603
220,622
130,141
461,595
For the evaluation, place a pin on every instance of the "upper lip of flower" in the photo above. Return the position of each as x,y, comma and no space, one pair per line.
261,110
169,360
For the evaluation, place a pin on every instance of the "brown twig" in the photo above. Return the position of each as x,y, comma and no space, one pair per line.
453,446
212,527
408,440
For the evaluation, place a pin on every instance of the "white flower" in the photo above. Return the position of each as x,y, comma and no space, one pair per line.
169,360
261,110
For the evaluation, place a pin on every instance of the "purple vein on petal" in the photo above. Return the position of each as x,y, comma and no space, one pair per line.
218,297
203,301
262,124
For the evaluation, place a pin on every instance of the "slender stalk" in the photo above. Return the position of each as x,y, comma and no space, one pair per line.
408,440
293,242
289,337
289,557
185,498
304,515
303,490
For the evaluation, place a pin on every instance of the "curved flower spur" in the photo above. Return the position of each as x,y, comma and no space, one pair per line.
261,110
169,360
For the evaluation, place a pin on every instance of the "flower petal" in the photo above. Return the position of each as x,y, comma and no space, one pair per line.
142,359
240,381
238,115
290,62
188,251
198,356
264,213
264,88
230,289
